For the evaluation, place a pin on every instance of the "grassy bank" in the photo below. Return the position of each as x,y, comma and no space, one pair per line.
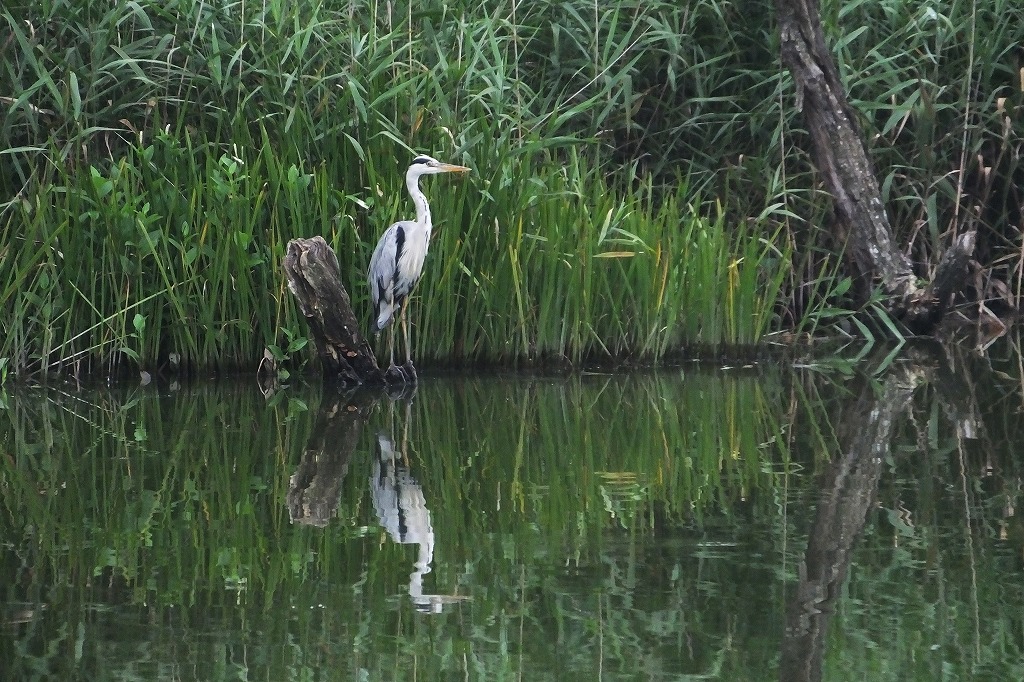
637,188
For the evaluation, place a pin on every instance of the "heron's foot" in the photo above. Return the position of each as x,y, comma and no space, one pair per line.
410,373
399,375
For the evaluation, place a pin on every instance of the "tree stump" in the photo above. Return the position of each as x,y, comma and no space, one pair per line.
314,277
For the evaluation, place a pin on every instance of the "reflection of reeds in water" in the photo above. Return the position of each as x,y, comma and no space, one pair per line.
623,492
19,614
173,497
680,443
124,472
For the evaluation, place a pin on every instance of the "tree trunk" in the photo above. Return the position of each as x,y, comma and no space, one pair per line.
314,277
838,151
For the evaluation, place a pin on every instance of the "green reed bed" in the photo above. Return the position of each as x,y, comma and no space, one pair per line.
148,263
144,265
579,270
159,155
159,168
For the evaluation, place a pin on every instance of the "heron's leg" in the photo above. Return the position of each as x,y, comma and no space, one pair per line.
405,433
408,368
405,328
391,346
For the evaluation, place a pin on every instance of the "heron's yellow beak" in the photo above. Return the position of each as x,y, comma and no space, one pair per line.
450,168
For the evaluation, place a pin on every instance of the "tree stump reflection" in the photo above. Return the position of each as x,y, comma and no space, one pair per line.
314,490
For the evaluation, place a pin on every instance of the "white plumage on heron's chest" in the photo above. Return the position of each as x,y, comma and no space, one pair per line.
411,256
395,267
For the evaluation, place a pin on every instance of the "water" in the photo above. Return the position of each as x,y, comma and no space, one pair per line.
725,524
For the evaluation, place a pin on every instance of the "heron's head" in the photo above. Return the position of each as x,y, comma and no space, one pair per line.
428,165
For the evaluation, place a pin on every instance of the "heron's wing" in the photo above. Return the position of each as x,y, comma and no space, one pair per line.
383,265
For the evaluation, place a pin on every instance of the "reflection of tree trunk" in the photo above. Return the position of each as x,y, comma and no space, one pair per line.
848,489
314,489
861,223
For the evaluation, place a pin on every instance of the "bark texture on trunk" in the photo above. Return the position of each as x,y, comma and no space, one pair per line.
314,277
838,151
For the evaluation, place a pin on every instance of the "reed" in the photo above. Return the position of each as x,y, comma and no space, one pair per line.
587,271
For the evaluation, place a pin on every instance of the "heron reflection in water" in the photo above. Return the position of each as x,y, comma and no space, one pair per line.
402,511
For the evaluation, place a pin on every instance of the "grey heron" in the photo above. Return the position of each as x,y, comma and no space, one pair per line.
397,261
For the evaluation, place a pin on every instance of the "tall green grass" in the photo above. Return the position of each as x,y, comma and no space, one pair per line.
941,90
128,266
583,271
160,168
149,263
191,141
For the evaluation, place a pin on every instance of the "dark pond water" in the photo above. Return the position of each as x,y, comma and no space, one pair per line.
815,523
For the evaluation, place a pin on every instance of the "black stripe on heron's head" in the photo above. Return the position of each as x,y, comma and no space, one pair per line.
422,159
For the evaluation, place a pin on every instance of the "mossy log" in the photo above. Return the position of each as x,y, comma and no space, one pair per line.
314,277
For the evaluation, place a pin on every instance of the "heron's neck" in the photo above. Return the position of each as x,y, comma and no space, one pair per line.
418,198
